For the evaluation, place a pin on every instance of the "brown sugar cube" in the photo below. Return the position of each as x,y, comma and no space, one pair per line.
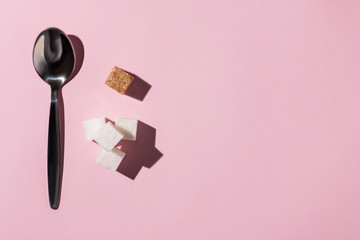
119,80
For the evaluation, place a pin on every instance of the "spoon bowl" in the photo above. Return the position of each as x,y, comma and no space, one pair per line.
54,61
53,56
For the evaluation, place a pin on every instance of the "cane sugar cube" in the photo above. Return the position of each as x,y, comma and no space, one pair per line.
119,80
108,136
110,160
92,126
128,127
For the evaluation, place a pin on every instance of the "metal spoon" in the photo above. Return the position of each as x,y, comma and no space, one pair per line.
54,61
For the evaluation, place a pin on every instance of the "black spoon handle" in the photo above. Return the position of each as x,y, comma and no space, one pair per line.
55,149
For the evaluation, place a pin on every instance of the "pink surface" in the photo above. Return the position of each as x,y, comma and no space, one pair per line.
255,106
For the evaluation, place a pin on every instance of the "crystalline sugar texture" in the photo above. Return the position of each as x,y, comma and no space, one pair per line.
92,126
108,136
111,160
119,80
128,127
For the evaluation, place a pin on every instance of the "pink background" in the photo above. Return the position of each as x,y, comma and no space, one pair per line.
256,106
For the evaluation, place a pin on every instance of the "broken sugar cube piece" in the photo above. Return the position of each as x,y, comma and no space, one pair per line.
128,127
110,160
92,126
108,136
119,80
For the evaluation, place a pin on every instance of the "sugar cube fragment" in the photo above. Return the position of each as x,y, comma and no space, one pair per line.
92,126
110,160
128,127
108,136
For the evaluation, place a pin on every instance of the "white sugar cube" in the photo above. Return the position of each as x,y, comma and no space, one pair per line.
128,127
108,136
92,126
111,160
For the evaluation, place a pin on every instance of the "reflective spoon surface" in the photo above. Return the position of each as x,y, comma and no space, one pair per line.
54,61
